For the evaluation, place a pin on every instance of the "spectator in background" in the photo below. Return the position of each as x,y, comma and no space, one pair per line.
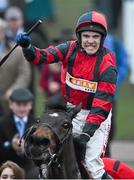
3,6
50,74
12,128
15,20
50,79
14,73
11,170
121,56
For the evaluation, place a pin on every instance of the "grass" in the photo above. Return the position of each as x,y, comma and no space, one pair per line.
125,113
66,15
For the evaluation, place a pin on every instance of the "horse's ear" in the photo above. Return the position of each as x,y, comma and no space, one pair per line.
73,111
56,102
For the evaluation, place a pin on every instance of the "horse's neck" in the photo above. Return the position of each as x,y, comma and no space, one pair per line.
69,160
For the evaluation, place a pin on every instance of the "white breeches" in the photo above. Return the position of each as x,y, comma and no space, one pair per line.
97,144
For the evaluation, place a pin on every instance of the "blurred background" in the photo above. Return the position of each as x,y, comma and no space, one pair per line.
65,15
59,21
119,15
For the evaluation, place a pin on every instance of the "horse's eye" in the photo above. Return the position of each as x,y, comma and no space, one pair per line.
66,125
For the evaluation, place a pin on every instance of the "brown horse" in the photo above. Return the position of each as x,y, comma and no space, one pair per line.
49,143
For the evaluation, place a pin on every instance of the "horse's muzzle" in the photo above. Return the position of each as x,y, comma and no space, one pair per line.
39,141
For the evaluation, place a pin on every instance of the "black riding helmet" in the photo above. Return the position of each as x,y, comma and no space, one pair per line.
93,21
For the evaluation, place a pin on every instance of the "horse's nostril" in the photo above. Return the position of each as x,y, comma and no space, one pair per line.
45,142
35,140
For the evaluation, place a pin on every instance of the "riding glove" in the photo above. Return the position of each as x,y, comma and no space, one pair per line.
81,140
23,39
90,128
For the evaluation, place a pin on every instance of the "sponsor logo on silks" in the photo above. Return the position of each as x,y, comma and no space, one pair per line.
81,84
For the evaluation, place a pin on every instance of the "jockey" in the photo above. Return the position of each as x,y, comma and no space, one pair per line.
88,77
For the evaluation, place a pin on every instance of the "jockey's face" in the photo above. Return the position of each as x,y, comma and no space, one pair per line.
20,109
90,41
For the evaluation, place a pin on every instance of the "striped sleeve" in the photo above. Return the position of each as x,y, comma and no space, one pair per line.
102,102
51,54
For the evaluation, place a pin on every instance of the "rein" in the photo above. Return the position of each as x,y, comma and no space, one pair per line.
53,157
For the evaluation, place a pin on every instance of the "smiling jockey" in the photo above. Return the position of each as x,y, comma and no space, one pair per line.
88,77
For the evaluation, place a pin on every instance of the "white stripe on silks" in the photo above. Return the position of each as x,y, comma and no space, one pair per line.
81,84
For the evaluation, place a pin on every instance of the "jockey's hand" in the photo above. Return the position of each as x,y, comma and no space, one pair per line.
80,142
23,39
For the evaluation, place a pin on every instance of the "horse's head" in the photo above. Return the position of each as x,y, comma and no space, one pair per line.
48,135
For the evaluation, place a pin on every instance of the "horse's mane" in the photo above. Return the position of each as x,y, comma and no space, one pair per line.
56,102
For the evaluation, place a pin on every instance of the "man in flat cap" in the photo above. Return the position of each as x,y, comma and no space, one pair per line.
13,127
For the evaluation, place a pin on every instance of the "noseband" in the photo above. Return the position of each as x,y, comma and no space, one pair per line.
51,158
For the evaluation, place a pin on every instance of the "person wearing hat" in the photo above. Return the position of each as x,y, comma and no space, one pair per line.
13,127
88,77
16,68
14,17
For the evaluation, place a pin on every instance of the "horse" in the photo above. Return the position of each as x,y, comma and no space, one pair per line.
49,143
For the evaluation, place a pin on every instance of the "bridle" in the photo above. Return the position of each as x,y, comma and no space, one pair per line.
52,158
